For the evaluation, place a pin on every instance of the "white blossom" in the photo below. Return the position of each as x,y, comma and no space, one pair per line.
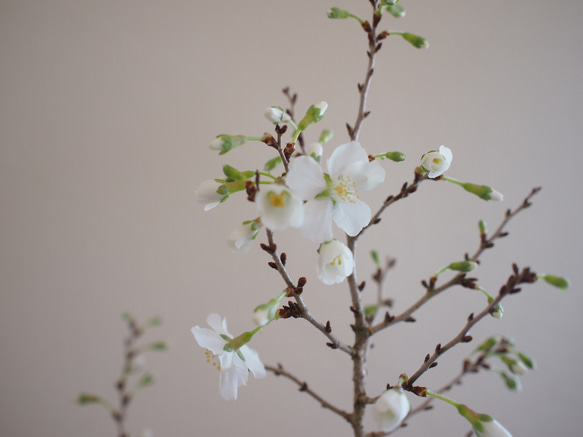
233,363
279,207
241,238
437,162
275,114
315,150
335,262
207,194
334,195
390,409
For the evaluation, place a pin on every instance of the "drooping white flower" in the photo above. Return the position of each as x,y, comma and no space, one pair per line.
437,162
234,361
279,207
334,195
491,428
390,409
207,194
275,114
335,262
241,238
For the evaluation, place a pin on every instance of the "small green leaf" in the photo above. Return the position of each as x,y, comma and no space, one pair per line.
272,163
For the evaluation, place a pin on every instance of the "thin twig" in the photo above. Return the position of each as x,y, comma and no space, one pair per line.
279,370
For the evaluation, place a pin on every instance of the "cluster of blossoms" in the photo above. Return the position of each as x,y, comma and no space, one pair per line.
310,197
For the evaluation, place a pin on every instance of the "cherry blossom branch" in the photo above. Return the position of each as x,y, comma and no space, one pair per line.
299,308
373,47
485,243
511,287
279,371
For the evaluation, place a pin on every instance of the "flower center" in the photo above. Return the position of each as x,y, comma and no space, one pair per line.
346,190
437,161
336,261
212,359
277,200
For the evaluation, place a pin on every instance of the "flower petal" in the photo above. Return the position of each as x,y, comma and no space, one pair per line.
344,156
253,361
209,339
318,220
306,177
351,217
230,381
219,325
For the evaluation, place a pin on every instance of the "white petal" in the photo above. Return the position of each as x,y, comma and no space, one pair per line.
390,409
206,194
372,174
230,380
288,212
335,262
219,325
209,339
352,217
305,177
253,362
345,156
493,429
317,224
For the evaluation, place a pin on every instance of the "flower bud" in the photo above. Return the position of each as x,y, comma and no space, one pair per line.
335,262
210,193
415,40
241,239
497,312
390,409
517,367
557,281
315,150
511,381
275,114
463,266
437,162
395,156
314,114
483,192
224,143
267,312
336,13
325,136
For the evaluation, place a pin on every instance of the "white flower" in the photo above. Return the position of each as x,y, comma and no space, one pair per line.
279,207
276,115
390,409
335,262
241,239
234,364
334,196
492,429
437,162
207,194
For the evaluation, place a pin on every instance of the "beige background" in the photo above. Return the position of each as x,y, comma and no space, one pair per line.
106,111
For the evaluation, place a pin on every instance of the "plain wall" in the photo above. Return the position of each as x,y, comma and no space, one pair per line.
106,112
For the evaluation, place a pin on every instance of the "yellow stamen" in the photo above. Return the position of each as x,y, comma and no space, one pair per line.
346,190
277,200
212,359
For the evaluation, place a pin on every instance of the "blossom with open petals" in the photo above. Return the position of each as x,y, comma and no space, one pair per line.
335,262
334,195
279,207
390,409
437,162
232,357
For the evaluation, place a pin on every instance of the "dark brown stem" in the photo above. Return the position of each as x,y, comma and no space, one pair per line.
335,343
279,371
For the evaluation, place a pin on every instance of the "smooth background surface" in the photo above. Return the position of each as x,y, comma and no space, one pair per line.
106,112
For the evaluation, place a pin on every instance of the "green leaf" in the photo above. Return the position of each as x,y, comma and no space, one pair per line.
272,163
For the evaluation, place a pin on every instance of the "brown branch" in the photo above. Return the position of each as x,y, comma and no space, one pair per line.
279,370
295,292
485,243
